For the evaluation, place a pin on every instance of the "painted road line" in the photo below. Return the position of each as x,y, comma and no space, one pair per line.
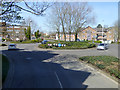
58,80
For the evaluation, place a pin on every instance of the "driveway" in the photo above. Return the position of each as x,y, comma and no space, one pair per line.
32,67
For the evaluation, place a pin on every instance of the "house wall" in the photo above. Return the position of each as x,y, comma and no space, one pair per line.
110,35
90,34
84,35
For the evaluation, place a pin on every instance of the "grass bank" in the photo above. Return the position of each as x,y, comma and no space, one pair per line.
5,67
108,64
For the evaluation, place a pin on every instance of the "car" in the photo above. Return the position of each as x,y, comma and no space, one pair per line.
102,46
44,42
78,40
12,47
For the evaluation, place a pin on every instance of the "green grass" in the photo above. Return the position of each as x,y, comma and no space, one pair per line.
106,63
5,67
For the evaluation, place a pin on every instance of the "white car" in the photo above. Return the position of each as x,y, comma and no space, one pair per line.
12,46
102,46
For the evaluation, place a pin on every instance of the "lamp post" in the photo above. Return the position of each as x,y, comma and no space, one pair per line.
30,28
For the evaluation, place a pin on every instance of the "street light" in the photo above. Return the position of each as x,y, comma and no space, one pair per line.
30,28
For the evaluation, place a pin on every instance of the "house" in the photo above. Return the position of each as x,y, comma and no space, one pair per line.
89,33
13,32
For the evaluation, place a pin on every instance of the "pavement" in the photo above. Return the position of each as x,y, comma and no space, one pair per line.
32,67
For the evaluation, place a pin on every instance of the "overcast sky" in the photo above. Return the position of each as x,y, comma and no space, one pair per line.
106,14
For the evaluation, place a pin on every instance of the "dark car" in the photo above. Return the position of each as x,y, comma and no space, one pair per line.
44,42
78,40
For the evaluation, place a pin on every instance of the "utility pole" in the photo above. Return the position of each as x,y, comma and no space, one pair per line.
102,30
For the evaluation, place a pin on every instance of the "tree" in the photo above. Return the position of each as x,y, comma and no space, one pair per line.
116,32
82,17
30,21
71,17
59,11
10,13
37,34
11,10
28,33
99,26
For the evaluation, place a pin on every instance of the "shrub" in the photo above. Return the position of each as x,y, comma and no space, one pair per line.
3,45
114,72
3,39
108,63
100,66
98,41
43,46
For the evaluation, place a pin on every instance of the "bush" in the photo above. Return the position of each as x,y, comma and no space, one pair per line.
8,39
72,45
108,63
43,46
98,41
114,72
100,66
3,45
3,39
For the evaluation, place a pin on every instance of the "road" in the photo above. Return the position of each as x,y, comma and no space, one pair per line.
32,67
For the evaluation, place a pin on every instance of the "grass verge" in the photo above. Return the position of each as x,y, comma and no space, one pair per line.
5,67
108,64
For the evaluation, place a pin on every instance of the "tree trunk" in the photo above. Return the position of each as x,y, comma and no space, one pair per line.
58,36
75,36
64,31
69,36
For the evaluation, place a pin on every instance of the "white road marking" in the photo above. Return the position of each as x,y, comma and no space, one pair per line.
58,80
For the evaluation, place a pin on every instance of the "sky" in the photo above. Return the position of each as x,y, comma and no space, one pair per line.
106,13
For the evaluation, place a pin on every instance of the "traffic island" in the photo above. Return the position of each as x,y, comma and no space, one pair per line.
67,45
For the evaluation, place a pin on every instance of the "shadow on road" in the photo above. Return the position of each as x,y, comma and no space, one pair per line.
30,71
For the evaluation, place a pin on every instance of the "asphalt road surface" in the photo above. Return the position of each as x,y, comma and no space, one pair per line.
32,67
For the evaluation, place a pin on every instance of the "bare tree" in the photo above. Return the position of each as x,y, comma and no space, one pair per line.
72,17
116,31
69,19
82,16
10,10
36,8
54,20
30,21
60,11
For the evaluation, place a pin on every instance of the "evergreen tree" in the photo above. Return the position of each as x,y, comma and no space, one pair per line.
28,33
99,26
37,35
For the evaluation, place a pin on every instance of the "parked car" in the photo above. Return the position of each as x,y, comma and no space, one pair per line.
78,40
102,46
44,42
12,46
